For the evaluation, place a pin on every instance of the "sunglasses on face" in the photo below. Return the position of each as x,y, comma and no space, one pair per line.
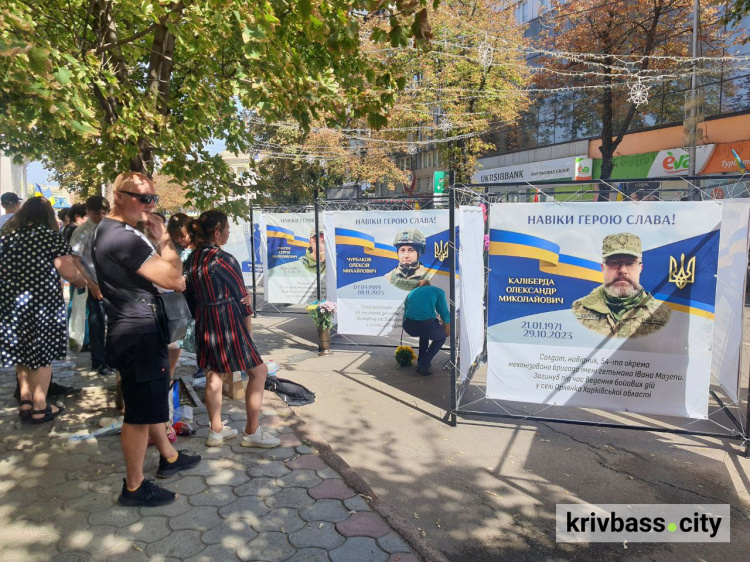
145,198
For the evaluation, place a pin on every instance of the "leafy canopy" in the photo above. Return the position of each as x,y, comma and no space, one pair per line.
111,85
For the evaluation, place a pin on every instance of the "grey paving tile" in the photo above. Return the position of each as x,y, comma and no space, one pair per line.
268,547
363,525
215,495
269,468
301,479
178,507
247,507
146,530
393,543
325,510
227,477
92,501
117,516
327,473
279,453
296,498
263,487
361,549
231,533
357,503
201,518
215,553
319,534
310,555
283,520
180,544
187,485
304,450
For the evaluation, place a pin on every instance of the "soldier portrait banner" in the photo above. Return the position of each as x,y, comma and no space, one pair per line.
240,245
380,257
291,271
606,306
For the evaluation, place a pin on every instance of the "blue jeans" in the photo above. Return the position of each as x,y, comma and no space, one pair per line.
426,330
97,323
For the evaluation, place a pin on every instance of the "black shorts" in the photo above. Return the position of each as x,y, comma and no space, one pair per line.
143,363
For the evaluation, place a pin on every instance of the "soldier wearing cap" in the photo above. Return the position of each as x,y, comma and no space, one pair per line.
620,307
310,258
410,244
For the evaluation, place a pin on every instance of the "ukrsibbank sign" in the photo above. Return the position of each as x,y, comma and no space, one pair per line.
578,168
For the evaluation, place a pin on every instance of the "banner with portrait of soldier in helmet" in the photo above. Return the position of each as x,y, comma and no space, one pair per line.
292,256
380,257
603,306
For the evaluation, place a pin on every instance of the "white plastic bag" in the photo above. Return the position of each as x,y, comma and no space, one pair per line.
77,321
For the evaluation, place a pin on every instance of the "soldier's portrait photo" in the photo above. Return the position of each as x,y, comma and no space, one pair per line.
310,259
621,307
410,245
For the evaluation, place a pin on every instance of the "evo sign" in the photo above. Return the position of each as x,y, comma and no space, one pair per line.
559,169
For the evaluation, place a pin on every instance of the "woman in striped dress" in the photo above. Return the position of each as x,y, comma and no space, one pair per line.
222,329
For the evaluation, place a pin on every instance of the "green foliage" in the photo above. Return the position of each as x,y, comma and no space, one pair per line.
146,85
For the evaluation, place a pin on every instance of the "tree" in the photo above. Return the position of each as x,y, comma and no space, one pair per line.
306,163
470,80
734,12
110,85
607,46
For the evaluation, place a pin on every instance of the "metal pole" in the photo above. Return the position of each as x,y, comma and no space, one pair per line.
693,114
317,244
252,261
452,290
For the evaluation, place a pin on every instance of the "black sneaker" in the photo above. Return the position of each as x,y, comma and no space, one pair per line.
105,371
147,495
62,390
183,462
426,371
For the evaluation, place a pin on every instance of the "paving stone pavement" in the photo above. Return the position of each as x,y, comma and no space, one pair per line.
58,496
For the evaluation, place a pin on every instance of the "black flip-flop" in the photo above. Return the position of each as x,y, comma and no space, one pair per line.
25,415
49,415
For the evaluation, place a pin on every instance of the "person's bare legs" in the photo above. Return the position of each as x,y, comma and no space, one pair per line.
33,385
213,400
174,356
256,385
159,437
134,440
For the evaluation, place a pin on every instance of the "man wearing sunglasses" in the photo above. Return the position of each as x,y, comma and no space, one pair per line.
621,308
130,272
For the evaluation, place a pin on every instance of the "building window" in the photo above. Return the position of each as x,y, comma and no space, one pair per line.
523,12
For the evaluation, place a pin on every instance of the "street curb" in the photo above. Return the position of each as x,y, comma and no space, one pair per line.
397,522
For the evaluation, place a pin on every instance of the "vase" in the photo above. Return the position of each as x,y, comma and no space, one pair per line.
324,341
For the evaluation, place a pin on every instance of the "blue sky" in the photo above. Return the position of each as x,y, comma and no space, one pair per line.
35,173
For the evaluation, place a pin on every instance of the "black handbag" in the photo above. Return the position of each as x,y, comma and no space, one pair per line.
172,315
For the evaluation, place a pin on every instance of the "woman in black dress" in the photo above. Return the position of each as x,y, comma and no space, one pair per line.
222,329
33,256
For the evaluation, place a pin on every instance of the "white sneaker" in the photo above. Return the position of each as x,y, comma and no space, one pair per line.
216,438
261,438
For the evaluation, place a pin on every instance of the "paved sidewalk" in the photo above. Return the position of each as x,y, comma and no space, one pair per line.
58,496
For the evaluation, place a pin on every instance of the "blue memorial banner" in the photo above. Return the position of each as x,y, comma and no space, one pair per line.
291,256
380,257
607,306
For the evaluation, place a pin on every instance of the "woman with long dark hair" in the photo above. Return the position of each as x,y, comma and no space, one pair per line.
222,329
33,257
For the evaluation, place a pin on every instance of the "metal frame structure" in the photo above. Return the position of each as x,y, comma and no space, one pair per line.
487,193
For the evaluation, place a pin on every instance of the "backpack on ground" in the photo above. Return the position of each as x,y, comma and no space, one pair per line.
292,393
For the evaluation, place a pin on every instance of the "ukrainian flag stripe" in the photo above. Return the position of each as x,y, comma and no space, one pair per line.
355,234
685,303
520,251
523,240
574,271
690,310
580,262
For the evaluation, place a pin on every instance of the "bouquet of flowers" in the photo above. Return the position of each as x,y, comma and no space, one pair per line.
405,356
322,313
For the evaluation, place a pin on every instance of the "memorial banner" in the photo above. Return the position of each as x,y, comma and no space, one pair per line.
605,306
240,243
380,257
471,286
730,297
291,258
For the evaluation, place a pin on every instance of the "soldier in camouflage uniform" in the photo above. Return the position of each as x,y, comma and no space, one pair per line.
310,258
620,307
410,243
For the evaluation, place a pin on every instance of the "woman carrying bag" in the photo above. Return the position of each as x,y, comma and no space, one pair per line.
222,329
